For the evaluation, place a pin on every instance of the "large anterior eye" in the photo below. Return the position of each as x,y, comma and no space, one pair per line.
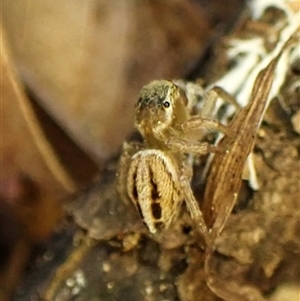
166,104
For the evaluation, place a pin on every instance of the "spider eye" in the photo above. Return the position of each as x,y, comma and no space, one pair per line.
166,104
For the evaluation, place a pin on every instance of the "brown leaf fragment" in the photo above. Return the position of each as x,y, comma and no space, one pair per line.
32,180
26,153
86,61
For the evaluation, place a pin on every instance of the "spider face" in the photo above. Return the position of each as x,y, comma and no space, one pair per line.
157,106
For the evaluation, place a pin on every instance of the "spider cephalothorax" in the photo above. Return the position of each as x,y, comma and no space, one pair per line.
160,107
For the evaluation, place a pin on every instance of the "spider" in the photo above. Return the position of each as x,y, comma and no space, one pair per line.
156,174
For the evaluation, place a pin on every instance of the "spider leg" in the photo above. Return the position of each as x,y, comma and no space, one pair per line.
205,119
225,96
210,100
193,91
192,147
198,122
209,104
192,204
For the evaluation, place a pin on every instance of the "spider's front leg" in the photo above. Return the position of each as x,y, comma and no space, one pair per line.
197,122
205,120
210,101
183,145
191,147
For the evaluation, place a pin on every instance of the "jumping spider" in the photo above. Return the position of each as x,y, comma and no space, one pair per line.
156,174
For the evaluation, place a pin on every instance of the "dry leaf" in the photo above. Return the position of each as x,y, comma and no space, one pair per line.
86,61
25,152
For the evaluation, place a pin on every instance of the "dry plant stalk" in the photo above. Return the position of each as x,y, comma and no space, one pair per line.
225,177
38,137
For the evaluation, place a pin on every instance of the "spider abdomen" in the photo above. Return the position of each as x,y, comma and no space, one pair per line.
153,185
